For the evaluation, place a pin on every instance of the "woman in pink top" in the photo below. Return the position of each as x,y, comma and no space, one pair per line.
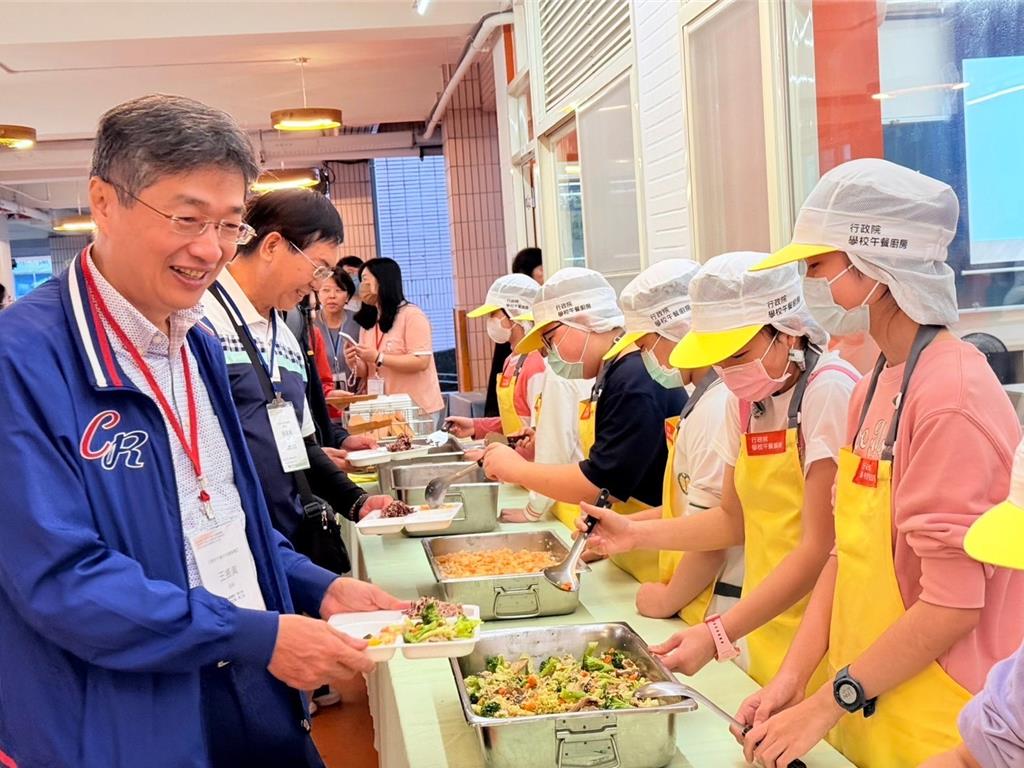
395,354
909,623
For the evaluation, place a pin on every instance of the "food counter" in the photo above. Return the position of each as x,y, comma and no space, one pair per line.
415,705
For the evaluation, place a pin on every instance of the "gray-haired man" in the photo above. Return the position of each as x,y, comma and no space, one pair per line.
147,606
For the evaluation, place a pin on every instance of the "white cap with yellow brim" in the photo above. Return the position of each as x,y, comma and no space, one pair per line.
577,297
656,301
997,537
730,304
513,293
893,223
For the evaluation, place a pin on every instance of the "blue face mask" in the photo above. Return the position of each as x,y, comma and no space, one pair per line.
669,378
564,369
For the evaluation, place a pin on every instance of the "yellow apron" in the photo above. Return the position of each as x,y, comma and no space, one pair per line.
673,504
511,421
641,564
769,480
916,720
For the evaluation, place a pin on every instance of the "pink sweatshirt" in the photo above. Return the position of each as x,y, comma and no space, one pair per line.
953,456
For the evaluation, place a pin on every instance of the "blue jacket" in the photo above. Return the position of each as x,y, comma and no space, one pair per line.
101,639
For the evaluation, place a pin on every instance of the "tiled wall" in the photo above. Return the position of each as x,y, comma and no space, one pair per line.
352,193
474,199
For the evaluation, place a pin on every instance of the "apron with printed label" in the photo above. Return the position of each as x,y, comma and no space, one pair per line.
511,422
918,719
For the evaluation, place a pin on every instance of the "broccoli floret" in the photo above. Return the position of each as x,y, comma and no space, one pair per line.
615,703
618,660
594,664
494,663
490,709
473,684
591,649
548,667
430,614
465,626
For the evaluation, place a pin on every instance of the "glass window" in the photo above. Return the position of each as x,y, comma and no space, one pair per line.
611,223
520,118
527,173
722,62
569,215
935,86
30,273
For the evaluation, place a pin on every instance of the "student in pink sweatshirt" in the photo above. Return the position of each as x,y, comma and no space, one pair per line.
909,623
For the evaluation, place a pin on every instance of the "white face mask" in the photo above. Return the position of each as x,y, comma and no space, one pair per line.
497,332
837,320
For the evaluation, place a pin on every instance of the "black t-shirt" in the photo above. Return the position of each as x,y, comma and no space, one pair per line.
629,453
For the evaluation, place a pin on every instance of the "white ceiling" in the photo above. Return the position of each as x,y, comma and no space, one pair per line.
63,64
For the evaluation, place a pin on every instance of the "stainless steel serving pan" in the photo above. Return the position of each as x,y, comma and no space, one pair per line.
620,738
478,495
442,454
523,596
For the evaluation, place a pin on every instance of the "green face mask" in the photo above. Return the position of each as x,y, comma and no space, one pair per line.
564,369
669,378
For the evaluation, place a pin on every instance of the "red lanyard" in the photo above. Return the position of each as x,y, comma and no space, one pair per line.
191,446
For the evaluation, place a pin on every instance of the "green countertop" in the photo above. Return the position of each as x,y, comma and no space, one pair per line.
418,716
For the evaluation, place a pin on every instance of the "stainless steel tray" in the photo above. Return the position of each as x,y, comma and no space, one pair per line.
621,738
524,596
438,455
478,495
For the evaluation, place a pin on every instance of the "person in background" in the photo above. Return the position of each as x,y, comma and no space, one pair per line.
352,265
783,431
334,320
147,605
520,382
529,262
656,305
908,622
395,354
992,723
578,322
292,252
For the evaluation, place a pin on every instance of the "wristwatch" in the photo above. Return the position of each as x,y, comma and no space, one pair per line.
724,648
849,694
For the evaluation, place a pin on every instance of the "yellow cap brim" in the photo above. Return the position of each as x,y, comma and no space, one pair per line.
526,317
997,537
533,341
699,350
626,340
483,309
793,252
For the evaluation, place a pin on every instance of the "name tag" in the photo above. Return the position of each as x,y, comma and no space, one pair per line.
766,443
291,448
226,566
375,386
867,473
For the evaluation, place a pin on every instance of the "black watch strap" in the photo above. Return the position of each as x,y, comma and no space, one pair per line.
849,694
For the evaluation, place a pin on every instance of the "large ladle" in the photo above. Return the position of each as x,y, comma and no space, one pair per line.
564,574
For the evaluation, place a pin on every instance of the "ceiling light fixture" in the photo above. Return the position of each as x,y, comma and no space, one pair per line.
17,137
302,178
421,7
307,118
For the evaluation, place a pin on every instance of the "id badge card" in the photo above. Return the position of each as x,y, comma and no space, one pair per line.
291,448
375,386
226,566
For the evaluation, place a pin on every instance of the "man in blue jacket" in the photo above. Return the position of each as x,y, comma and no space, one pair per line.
147,606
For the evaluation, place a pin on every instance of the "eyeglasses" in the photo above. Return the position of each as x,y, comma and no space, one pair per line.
236,232
320,272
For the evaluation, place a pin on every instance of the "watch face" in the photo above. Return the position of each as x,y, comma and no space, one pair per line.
848,694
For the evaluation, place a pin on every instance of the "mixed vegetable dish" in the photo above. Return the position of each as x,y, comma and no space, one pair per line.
428,621
600,680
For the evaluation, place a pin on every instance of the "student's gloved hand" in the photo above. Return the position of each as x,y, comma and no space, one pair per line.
460,426
309,653
613,533
783,692
687,651
346,595
501,463
792,733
